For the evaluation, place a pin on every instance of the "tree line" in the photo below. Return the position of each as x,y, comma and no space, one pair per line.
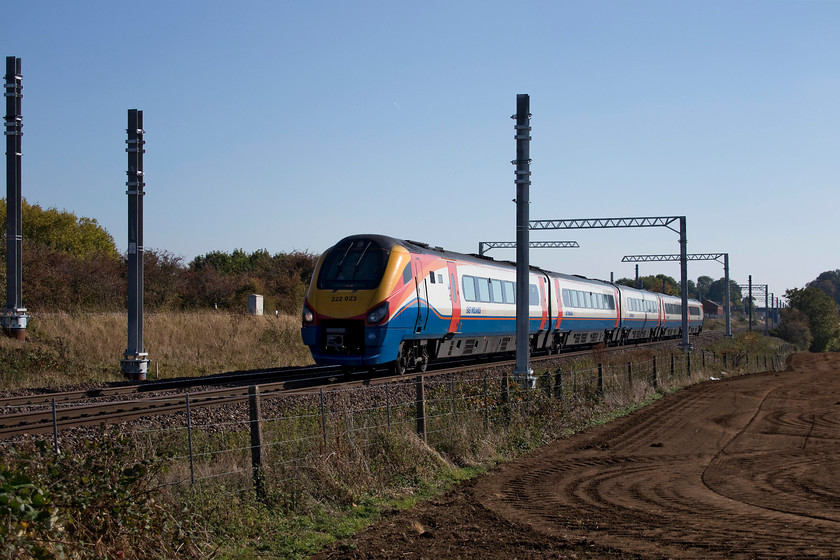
72,264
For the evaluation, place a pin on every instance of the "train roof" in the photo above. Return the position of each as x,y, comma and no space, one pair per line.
425,248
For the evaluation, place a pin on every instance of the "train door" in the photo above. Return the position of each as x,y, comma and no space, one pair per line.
455,296
543,303
422,297
559,299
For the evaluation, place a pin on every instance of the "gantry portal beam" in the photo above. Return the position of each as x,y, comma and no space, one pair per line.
484,246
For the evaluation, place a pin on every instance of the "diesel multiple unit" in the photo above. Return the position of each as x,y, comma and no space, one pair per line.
375,300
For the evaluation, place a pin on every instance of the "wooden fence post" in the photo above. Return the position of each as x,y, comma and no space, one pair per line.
506,396
323,418
454,402
388,405
600,379
420,405
486,407
189,440
655,376
55,426
256,440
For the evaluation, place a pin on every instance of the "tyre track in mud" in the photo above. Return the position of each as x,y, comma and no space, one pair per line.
742,483
747,467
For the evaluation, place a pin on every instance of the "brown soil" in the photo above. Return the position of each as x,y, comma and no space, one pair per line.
747,467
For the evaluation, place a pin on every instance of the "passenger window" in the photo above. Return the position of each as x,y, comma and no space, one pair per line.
574,295
533,295
510,292
587,300
469,288
611,302
496,291
567,298
483,285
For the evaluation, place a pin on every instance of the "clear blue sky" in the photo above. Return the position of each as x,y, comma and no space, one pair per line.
288,125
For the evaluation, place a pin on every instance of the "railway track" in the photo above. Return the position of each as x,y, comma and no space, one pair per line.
45,412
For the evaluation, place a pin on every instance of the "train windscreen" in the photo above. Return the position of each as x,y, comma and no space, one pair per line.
355,264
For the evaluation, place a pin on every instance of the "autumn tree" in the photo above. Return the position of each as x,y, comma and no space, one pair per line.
63,231
821,311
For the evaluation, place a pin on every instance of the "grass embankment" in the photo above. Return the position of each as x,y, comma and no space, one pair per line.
70,349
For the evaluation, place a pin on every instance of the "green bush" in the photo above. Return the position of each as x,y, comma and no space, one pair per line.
96,501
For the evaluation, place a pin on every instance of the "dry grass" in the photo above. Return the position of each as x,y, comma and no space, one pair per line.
70,349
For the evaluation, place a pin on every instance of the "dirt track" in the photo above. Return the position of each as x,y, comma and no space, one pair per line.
742,468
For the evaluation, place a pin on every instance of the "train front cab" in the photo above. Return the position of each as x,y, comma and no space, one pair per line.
355,313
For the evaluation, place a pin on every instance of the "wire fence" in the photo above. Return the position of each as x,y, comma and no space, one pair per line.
291,444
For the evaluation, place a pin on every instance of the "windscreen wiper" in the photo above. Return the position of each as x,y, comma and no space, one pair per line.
359,262
341,262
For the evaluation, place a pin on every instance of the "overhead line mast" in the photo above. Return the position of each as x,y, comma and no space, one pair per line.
13,317
522,370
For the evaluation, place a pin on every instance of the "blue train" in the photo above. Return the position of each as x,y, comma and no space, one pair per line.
375,300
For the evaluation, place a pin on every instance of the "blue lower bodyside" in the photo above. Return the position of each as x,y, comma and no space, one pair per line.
381,343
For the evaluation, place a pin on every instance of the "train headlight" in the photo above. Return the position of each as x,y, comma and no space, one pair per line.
308,315
377,314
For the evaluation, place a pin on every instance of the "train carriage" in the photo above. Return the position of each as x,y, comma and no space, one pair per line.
641,318
588,310
375,300
672,316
